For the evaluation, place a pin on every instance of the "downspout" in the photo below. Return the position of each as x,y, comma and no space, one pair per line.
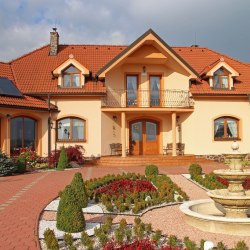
49,127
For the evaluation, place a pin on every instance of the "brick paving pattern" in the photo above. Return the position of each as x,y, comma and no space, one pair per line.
23,197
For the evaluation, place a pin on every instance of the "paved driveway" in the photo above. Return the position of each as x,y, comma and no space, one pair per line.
23,197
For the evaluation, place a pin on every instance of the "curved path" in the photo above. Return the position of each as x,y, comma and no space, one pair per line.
23,197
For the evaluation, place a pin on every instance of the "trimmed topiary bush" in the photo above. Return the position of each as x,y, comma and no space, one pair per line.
69,215
50,239
7,166
21,165
195,169
80,190
63,160
151,170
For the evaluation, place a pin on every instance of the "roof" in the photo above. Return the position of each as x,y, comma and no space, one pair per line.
32,72
25,102
202,58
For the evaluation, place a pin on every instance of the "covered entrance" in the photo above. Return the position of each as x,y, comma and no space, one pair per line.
144,137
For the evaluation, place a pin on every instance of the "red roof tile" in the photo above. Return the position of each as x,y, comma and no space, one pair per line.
25,102
201,58
33,70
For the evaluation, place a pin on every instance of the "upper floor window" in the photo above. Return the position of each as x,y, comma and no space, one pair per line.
226,128
71,77
221,79
71,129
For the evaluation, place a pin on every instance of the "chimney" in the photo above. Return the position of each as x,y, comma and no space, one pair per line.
54,42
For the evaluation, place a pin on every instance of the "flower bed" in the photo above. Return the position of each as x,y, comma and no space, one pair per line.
133,192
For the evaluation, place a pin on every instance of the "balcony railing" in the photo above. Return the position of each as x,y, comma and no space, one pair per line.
147,98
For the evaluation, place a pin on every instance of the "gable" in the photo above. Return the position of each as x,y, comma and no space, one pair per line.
143,47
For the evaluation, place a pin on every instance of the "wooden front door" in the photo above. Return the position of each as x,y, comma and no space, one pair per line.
144,137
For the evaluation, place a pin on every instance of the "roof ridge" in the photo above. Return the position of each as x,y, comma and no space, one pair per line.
107,45
188,47
28,53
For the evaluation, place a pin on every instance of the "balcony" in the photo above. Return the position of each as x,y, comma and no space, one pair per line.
146,98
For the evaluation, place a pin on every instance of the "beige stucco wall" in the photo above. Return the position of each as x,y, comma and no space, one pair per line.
115,79
88,109
197,128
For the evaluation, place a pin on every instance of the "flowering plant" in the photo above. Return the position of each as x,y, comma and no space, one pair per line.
29,156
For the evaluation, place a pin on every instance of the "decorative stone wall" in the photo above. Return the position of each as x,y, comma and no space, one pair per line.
217,158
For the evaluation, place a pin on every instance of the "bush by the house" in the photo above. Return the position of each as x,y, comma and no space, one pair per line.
151,170
20,165
63,160
80,190
68,239
50,240
69,215
7,166
74,153
28,156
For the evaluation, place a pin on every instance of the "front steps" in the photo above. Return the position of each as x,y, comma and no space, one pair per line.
158,160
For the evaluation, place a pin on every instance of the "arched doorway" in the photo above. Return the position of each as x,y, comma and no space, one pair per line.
144,137
22,134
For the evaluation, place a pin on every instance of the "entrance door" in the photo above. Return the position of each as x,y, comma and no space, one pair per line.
144,137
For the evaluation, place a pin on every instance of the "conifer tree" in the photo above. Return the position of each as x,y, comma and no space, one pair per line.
69,215
80,190
63,160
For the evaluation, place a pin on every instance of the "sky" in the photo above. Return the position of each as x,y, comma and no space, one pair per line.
222,25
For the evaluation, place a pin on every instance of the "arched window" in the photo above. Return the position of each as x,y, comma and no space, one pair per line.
22,133
226,128
71,129
71,77
221,79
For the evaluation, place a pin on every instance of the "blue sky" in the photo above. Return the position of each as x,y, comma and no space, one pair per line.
220,25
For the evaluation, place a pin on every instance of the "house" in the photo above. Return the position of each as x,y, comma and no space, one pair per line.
142,96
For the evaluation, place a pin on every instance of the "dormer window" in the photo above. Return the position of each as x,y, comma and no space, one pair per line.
221,79
71,77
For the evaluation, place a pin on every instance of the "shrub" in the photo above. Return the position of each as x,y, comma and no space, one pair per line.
87,241
7,166
195,169
80,190
221,246
241,245
69,215
157,236
68,239
50,239
21,165
28,156
74,153
189,244
172,241
63,160
151,170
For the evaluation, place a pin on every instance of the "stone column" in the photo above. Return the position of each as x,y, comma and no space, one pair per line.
123,134
174,133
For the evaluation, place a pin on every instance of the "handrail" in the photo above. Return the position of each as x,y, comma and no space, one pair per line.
146,98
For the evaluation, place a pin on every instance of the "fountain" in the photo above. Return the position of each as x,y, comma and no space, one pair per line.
228,210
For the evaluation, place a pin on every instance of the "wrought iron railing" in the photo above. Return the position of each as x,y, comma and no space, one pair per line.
146,98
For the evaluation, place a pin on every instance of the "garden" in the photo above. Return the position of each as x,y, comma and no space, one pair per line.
126,194
27,160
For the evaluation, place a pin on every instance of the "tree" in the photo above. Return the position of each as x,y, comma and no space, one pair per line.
69,215
63,160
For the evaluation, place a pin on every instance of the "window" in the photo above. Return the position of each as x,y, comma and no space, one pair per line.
71,77
22,134
226,128
71,129
221,79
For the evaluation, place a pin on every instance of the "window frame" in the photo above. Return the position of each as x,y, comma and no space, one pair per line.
71,129
225,135
35,127
71,75
220,76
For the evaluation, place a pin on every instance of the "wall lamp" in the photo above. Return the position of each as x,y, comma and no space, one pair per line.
115,118
177,118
